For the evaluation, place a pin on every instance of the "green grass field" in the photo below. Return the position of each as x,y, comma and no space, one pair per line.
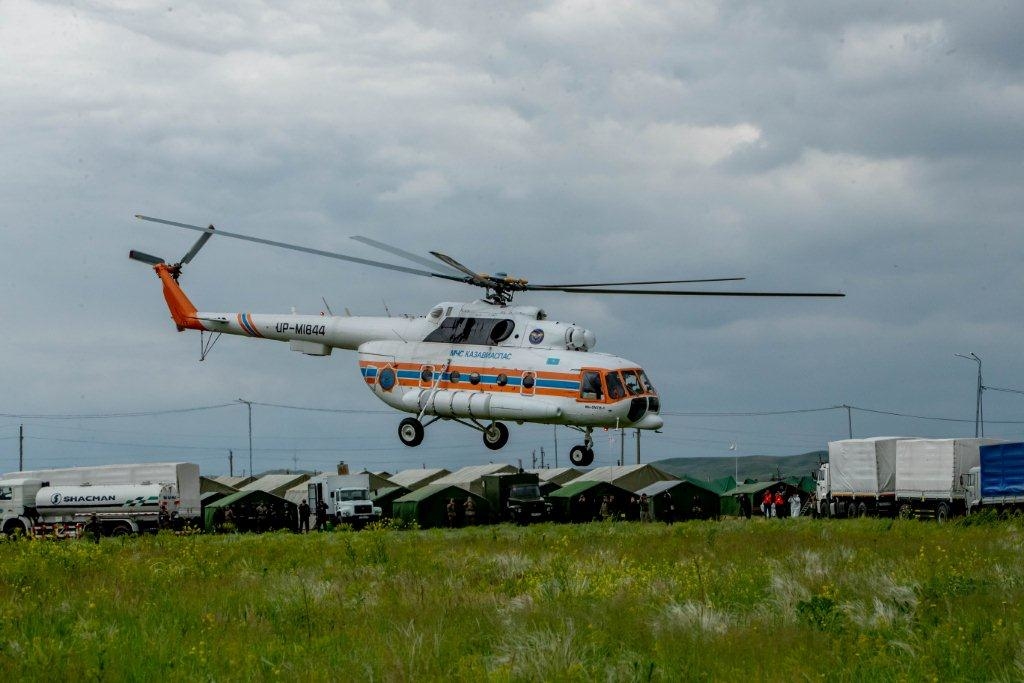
733,600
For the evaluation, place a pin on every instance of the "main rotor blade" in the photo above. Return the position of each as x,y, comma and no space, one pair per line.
307,250
477,277
415,258
203,239
645,282
677,292
144,257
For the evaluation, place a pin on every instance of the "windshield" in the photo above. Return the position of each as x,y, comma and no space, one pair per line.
590,387
647,382
615,390
353,494
6,493
525,491
632,380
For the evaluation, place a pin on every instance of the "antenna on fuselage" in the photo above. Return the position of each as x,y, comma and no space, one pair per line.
327,305
386,309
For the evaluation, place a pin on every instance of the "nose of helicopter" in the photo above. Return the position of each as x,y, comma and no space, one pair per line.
649,421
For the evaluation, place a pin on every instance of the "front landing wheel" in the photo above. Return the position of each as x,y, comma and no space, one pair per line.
496,436
581,456
410,431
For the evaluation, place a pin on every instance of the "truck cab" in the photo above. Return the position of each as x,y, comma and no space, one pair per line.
17,502
516,497
352,505
971,482
822,492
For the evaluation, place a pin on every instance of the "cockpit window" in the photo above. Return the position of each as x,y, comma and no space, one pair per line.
6,493
615,390
633,385
590,387
647,383
478,331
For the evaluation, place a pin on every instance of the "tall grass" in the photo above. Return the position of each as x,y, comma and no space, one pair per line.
760,600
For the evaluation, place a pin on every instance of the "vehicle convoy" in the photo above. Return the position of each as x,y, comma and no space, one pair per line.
515,497
931,475
346,503
37,507
997,483
859,478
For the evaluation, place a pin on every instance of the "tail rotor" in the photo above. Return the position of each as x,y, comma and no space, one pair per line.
174,269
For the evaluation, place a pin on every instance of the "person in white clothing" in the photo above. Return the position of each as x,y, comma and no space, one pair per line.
794,504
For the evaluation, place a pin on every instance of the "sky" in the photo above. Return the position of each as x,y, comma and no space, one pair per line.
873,148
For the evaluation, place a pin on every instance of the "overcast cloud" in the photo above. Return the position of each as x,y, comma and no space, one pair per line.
867,147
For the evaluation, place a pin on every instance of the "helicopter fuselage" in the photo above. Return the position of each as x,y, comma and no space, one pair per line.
474,361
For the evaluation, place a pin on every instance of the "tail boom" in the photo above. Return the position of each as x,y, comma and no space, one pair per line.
183,312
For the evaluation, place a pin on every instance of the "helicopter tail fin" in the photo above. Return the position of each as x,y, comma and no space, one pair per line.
183,312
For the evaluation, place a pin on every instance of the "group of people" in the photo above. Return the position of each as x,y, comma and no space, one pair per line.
639,508
775,503
321,517
451,510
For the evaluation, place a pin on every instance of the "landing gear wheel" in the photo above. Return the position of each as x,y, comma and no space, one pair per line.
581,456
495,436
410,431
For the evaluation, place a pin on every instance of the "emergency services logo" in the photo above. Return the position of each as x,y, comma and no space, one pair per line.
537,336
55,499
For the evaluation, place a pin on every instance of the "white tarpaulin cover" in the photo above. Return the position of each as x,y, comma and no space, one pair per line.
863,466
931,468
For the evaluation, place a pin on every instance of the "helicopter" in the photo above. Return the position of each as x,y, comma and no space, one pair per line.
478,364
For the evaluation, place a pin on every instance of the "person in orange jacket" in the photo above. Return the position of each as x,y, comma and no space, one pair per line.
766,503
778,504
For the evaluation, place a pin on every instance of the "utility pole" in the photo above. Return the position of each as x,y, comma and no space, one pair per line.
248,404
542,457
21,448
979,411
849,420
533,460
622,447
638,447
555,428
231,463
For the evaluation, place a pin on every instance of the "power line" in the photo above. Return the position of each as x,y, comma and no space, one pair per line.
104,416
755,414
1008,391
347,411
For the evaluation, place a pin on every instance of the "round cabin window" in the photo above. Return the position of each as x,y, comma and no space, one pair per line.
454,377
427,374
474,378
529,379
386,379
502,379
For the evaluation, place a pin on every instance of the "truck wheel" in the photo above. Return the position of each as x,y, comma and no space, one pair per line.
862,510
15,528
942,513
121,530
410,432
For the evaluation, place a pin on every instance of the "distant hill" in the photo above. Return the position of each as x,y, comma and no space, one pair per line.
760,467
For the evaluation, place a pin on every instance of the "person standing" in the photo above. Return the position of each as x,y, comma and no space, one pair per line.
451,513
670,507
321,515
766,503
778,504
645,508
470,507
303,517
794,504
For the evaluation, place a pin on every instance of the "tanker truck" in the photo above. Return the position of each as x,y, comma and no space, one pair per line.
34,507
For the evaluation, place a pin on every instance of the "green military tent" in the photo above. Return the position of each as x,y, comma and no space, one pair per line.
683,500
241,509
580,501
427,506
385,498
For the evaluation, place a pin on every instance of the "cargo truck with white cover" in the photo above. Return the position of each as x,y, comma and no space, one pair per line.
859,478
37,507
931,475
998,482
